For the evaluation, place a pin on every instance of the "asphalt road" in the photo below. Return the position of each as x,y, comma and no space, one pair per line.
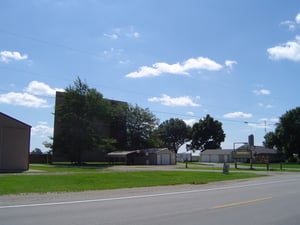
272,200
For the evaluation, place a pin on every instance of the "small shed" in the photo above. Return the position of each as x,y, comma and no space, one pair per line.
151,156
158,156
216,156
126,157
14,144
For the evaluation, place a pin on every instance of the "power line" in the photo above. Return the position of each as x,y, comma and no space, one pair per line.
59,45
46,42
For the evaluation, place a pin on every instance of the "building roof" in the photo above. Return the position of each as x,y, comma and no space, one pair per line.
153,150
120,153
216,151
264,150
8,121
126,153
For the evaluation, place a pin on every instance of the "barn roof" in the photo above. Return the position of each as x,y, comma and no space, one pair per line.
7,120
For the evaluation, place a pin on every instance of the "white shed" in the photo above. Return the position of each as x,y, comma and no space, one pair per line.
216,156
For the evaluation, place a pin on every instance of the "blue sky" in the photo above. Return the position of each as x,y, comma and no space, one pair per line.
238,61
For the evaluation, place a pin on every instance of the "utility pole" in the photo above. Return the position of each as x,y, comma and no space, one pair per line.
265,126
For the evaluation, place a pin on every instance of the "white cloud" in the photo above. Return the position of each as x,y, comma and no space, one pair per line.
264,123
112,52
237,115
297,18
190,122
177,101
200,63
42,129
40,88
124,32
273,120
133,34
111,36
29,97
267,106
257,125
230,63
289,50
262,92
292,24
23,99
124,62
190,113
8,56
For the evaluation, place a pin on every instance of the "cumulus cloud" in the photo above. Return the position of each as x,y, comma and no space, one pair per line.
23,99
8,56
42,129
40,88
177,101
289,50
29,98
233,115
262,92
183,68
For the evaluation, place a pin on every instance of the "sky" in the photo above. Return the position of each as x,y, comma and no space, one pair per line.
238,61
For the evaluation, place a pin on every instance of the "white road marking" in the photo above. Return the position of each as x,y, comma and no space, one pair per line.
143,196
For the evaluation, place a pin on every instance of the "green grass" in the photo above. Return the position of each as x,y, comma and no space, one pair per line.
74,182
57,168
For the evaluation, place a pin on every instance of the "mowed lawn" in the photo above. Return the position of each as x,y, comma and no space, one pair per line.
84,180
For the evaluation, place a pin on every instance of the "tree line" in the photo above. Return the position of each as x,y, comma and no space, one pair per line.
83,107
286,137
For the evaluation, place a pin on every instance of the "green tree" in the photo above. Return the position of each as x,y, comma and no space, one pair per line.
173,133
207,134
287,133
78,118
36,151
271,140
141,124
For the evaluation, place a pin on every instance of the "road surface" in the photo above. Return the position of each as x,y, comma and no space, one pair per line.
272,200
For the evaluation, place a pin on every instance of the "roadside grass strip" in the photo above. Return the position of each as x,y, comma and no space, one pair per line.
75,182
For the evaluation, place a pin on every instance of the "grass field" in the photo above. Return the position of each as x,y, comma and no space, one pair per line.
73,179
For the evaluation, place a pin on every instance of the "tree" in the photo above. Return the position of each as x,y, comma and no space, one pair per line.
271,140
140,126
49,145
287,133
207,134
36,151
173,133
78,119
